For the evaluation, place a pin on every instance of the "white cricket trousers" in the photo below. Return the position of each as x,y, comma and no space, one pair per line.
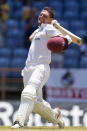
35,78
31,98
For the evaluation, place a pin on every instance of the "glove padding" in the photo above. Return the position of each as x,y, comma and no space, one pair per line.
54,22
68,38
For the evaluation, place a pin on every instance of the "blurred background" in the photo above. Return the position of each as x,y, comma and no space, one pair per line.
67,85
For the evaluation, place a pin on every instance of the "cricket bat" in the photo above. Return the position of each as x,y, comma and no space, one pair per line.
75,39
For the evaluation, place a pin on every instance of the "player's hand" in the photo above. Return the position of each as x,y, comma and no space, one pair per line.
54,22
68,38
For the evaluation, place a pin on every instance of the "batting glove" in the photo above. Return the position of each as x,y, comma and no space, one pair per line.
68,38
54,22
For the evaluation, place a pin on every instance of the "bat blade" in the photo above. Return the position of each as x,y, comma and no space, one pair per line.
75,39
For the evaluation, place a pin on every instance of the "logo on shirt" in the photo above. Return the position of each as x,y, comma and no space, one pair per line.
36,38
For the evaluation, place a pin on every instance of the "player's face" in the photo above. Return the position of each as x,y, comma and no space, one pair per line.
44,17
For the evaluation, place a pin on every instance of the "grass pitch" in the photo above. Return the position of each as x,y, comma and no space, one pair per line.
44,128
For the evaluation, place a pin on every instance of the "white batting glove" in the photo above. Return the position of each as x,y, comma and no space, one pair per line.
54,22
68,38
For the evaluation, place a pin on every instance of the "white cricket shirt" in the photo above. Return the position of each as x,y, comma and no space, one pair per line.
38,52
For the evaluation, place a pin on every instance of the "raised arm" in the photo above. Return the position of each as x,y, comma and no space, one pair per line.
32,36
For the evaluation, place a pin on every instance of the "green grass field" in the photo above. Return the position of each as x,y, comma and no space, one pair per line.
4,128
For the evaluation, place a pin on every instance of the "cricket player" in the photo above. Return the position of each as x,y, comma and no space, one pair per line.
36,73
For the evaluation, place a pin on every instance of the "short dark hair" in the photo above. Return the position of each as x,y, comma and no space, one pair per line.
49,9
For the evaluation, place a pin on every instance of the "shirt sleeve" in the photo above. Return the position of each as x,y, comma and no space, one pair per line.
52,31
37,30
